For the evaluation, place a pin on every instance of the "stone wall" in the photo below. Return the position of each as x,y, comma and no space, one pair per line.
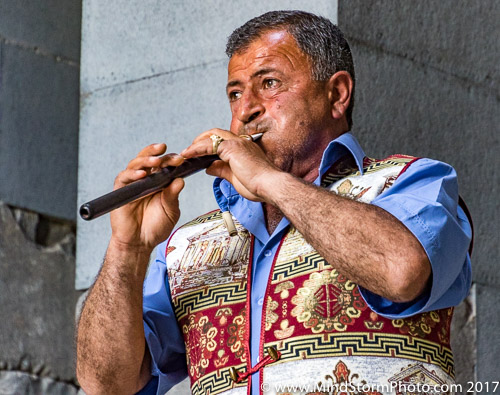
39,72
39,110
428,85
37,303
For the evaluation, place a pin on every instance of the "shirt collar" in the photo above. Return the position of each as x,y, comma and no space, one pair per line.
250,214
345,143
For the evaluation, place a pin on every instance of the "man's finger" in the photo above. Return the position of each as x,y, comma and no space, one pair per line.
144,162
219,169
153,149
202,147
225,134
129,175
171,160
170,195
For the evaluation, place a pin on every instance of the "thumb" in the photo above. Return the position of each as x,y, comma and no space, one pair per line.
220,169
170,195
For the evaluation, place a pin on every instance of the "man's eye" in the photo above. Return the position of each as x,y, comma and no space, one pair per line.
234,95
270,83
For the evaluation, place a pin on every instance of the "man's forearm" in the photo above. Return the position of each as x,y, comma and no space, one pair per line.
362,241
110,345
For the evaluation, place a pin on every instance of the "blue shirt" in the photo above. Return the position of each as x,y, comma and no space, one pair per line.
424,198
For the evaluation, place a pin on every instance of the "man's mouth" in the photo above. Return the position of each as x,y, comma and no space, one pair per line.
255,128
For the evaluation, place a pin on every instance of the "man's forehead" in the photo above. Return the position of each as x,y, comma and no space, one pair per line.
274,37
268,47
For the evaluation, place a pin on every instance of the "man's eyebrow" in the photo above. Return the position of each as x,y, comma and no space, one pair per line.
258,73
232,83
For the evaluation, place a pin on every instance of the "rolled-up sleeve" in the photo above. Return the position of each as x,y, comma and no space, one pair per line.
163,337
425,199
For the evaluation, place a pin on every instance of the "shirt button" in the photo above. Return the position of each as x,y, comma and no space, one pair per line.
268,253
260,301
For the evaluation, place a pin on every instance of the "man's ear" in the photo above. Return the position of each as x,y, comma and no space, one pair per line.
339,93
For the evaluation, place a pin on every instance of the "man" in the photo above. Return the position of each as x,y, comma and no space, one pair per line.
343,268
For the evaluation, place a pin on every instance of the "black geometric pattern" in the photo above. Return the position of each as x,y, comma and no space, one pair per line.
217,382
330,178
302,265
222,295
365,344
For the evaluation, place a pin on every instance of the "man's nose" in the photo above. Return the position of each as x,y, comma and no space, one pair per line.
250,107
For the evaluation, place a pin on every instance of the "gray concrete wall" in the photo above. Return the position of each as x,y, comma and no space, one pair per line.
429,85
39,73
153,71
39,112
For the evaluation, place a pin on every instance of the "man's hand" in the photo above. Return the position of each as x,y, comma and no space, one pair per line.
113,309
145,223
243,162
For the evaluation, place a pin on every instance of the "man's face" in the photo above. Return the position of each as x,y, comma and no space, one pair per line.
270,89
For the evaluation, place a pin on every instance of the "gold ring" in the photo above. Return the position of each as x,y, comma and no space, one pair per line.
216,140
246,137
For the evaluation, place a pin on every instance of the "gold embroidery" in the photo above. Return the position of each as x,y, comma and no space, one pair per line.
221,359
342,375
236,339
374,323
271,316
285,330
419,325
417,373
223,313
283,289
200,335
327,302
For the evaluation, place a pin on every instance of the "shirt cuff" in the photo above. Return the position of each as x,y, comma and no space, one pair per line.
443,291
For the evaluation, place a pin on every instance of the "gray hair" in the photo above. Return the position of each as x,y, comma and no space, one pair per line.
316,36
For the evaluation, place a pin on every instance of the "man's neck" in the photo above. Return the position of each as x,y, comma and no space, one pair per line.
307,171
273,216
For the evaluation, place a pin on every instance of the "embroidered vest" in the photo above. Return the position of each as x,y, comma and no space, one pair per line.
313,315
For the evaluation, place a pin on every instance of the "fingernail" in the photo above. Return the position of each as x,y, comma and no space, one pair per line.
178,158
158,145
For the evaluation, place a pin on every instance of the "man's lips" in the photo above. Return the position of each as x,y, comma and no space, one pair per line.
255,128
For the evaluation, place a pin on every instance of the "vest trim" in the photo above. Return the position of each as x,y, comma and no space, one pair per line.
264,310
249,314
365,344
